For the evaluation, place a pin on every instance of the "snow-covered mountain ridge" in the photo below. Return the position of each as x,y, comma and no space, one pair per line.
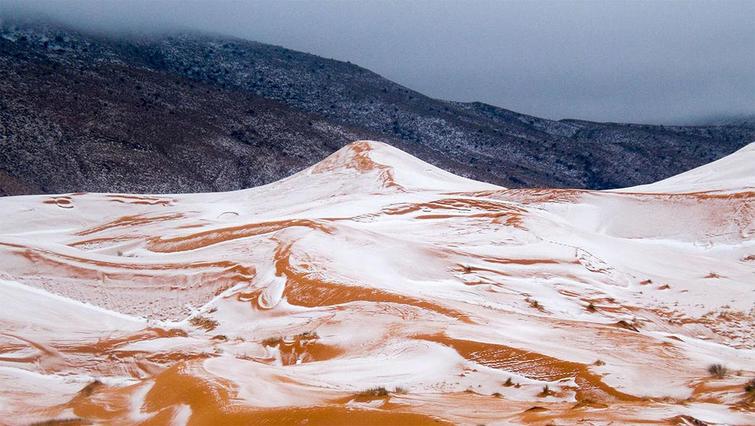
189,112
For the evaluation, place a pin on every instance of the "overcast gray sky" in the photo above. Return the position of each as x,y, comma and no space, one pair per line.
639,61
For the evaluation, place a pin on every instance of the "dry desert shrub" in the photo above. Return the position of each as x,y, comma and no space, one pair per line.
546,391
377,392
200,321
718,371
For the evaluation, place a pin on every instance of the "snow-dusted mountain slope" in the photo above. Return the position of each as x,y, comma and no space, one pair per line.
373,288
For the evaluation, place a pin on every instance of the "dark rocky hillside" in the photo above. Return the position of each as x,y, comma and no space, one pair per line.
189,112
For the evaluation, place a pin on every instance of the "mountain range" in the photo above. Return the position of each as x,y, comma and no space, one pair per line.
189,112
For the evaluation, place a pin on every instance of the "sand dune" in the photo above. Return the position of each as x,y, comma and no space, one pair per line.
374,288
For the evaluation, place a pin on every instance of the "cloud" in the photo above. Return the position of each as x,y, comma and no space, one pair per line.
635,61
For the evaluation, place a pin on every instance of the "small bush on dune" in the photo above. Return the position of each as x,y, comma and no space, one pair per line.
546,391
534,304
377,392
307,335
203,322
718,371
302,338
626,325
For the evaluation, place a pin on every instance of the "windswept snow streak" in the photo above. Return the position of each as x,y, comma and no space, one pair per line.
375,288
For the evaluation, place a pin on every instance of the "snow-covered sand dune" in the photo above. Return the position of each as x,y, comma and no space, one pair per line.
374,288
